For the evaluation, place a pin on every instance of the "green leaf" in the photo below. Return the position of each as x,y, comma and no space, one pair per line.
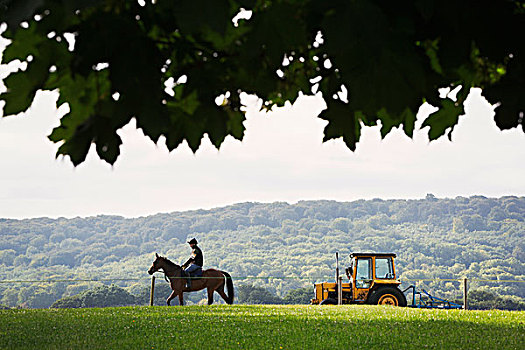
409,122
407,119
234,125
216,119
510,93
99,128
445,118
93,118
77,148
184,127
189,103
221,121
24,43
22,87
107,142
342,122
82,95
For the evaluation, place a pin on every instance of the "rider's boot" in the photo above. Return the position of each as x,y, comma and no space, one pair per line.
188,279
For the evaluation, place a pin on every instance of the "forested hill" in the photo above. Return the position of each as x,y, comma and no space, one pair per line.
476,237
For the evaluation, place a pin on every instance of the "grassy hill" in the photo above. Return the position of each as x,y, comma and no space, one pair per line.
258,243
261,327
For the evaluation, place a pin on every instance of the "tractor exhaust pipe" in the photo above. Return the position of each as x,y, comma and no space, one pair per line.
338,281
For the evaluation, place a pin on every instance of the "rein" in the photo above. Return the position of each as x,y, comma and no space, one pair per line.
168,278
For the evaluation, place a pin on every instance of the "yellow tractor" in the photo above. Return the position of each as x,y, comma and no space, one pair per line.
372,280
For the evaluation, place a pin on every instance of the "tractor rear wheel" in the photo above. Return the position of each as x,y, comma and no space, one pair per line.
329,301
387,296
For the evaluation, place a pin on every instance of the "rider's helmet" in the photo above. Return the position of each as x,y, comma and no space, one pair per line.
192,241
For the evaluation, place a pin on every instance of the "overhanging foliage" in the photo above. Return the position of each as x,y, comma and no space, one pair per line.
390,57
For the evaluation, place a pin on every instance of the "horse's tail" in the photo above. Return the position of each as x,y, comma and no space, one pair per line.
229,287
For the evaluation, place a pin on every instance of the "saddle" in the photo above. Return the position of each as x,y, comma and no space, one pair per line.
195,274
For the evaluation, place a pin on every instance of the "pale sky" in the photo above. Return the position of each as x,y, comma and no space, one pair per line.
282,158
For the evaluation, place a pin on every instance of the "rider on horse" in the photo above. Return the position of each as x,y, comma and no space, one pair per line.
195,262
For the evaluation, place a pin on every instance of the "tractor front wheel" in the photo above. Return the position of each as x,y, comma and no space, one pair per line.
387,296
329,301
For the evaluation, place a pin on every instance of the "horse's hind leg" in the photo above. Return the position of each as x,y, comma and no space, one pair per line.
223,295
220,290
210,296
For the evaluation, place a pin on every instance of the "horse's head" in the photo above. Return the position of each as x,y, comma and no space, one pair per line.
157,264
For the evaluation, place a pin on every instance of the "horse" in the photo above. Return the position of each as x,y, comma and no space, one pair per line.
212,279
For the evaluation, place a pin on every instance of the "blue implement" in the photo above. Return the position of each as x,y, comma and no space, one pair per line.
423,299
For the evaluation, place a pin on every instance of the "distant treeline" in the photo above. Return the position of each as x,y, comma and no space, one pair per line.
476,237
111,296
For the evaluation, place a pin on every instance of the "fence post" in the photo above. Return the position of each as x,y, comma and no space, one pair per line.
465,293
152,291
339,290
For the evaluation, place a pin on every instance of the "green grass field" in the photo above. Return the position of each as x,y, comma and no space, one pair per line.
260,327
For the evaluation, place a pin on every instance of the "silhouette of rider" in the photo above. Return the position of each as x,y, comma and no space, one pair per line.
195,262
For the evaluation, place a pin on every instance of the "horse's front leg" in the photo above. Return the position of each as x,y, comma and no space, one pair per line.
181,298
171,297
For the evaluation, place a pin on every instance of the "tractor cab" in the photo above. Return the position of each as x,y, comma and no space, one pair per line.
372,280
